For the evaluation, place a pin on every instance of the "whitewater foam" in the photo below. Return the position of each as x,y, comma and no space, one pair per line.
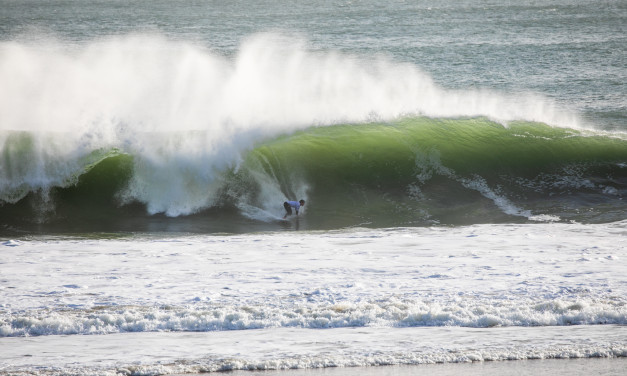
319,312
264,350
479,276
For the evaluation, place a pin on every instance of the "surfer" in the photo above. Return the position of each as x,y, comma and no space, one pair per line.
288,205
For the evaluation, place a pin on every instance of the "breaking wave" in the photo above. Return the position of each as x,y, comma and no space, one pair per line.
139,125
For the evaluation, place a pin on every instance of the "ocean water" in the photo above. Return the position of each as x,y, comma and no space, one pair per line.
464,165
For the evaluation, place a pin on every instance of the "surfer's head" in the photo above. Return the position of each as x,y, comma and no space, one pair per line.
301,202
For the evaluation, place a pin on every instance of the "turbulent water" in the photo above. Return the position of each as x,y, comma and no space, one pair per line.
464,166
408,172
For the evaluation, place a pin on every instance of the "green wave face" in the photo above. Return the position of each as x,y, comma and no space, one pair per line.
420,171
413,172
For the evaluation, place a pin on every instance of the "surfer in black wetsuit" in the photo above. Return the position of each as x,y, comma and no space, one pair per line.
288,205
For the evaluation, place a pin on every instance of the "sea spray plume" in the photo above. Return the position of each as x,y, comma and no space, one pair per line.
153,84
282,82
186,115
278,81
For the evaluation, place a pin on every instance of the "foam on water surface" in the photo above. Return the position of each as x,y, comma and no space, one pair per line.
478,276
283,349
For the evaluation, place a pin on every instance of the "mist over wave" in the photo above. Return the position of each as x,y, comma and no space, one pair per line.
187,114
